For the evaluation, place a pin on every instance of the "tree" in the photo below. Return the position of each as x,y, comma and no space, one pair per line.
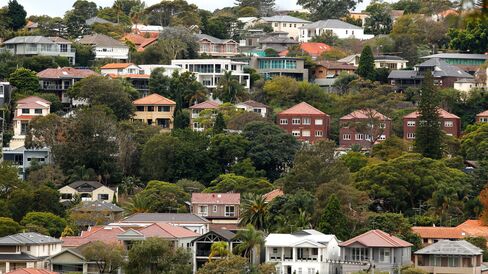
164,197
138,204
379,20
53,224
229,89
366,64
156,255
8,226
286,213
240,120
75,19
342,82
16,15
234,183
51,175
474,143
264,7
327,9
473,38
227,149
9,179
84,55
479,242
228,265
254,210
333,220
355,160
219,124
224,26
219,249
428,134
25,80
173,13
252,241
408,6
391,148
108,257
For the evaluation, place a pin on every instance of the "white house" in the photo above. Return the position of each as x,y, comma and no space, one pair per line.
168,69
337,27
88,191
253,106
40,45
306,251
121,69
209,71
286,23
106,47
248,22
392,62
139,28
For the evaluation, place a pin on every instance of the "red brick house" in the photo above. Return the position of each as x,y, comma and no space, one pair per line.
363,127
482,117
305,122
450,124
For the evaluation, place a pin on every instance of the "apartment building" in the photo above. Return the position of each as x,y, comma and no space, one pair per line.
450,124
305,122
286,23
155,110
364,128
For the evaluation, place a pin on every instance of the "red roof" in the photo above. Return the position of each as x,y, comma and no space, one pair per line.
268,197
474,228
206,105
25,117
154,99
117,66
59,73
484,113
140,41
365,114
223,227
104,234
168,231
313,49
431,232
302,108
442,113
216,198
32,99
376,238
31,271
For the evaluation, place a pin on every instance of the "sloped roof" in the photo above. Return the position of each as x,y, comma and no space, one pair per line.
312,48
302,108
140,41
364,114
474,228
29,238
389,57
165,217
253,103
101,40
268,197
484,113
31,271
277,40
209,104
336,65
106,234
457,56
215,40
66,72
97,206
376,238
446,247
402,74
330,24
154,99
444,69
307,235
442,113
29,40
216,198
168,231
33,102
284,18
432,232
77,184
117,65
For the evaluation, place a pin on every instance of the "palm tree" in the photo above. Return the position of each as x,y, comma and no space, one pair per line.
220,249
229,90
138,204
251,240
254,210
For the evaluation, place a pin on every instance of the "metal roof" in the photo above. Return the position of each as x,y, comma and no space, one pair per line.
165,217
457,56
29,238
212,39
97,206
29,40
447,247
330,24
443,69
101,40
284,18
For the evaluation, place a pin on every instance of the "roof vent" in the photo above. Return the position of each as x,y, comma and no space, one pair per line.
219,196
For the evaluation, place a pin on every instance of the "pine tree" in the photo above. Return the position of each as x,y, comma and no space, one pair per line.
219,124
16,15
333,220
428,134
265,7
366,64
181,120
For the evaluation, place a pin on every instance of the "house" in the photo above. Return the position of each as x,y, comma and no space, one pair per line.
450,124
90,213
363,127
380,61
248,21
444,74
197,109
71,260
306,251
105,234
443,14
88,191
26,250
460,257
376,249
5,91
168,70
22,158
359,16
131,72
40,45
313,49
277,41
140,42
433,234
155,110
31,271
474,228
189,221
482,117
209,71
332,69
270,196
286,23
305,122
268,67
336,27
202,245
253,106
466,61
31,26
106,47
219,208
216,47
59,80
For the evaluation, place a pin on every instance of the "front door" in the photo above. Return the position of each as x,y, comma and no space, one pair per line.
288,269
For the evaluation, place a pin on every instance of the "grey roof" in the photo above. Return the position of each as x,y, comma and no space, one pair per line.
457,56
213,39
444,69
22,257
284,18
59,40
349,58
388,57
101,40
164,217
29,238
226,235
277,40
447,247
330,24
29,40
77,184
94,20
466,80
97,206
255,104
402,74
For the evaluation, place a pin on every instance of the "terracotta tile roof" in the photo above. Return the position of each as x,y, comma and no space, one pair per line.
484,113
336,65
206,105
62,73
223,227
364,114
442,113
140,41
268,197
154,99
32,99
31,271
302,108
376,238
168,231
117,66
105,234
216,198
130,75
431,232
474,228
25,117
314,49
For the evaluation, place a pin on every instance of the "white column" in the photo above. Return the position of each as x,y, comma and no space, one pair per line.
282,254
85,268
294,254
7,267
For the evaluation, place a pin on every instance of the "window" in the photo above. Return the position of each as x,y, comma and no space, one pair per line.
319,133
276,24
283,121
28,248
295,133
38,111
410,123
257,110
359,136
23,128
25,111
319,122
411,135
295,121
150,108
230,211
382,125
103,197
346,31
140,108
66,196
448,124
453,261
203,211
307,121
359,254
483,119
346,137
214,208
385,255
164,108
306,133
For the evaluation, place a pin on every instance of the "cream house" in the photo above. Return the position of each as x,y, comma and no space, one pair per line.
155,110
88,191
